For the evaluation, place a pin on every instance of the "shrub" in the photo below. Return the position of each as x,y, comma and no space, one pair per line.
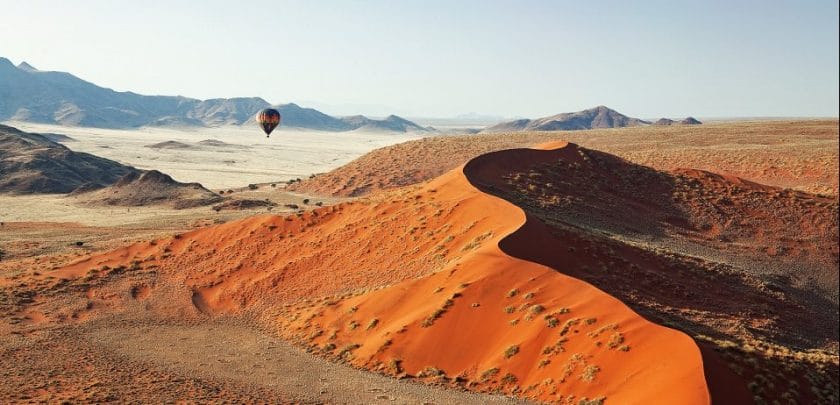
536,309
589,373
395,365
489,373
511,351
509,379
347,350
430,371
568,326
616,339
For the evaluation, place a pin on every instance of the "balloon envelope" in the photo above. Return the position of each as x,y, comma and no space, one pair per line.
268,119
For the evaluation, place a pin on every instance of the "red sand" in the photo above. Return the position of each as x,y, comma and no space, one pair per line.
629,359
390,263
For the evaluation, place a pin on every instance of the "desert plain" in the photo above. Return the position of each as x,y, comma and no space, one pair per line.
574,267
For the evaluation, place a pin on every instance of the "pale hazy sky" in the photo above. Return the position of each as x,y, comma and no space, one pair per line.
443,58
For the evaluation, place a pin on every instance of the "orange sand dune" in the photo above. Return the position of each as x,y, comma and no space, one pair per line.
428,281
331,250
491,321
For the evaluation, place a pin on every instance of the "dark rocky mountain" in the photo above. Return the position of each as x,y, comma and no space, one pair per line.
597,117
295,116
32,163
390,123
29,94
668,121
664,122
151,188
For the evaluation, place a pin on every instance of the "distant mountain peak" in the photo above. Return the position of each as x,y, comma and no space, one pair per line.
389,123
68,100
395,118
27,67
596,117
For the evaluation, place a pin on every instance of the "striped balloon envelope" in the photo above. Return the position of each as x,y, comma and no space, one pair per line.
268,119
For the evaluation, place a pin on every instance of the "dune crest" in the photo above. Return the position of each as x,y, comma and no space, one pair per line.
492,321
479,280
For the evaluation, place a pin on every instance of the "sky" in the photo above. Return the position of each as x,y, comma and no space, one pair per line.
434,58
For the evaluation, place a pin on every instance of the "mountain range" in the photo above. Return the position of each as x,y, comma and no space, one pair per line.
29,94
597,117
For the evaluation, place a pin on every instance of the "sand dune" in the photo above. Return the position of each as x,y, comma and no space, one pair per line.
794,154
604,347
491,321
448,283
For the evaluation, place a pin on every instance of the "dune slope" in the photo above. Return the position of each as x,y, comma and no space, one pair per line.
492,321
795,154
523,294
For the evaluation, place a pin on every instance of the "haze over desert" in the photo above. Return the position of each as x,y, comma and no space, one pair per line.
420,203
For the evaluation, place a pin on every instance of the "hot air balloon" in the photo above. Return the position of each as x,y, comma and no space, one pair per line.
268,119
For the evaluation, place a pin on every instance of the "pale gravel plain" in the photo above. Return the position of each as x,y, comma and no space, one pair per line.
250,157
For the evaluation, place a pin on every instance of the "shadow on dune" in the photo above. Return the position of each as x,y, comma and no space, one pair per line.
591,222
608,212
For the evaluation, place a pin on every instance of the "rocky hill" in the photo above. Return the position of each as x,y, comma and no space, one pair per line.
391,123
668,121
32,163
597,117
152,188
664,122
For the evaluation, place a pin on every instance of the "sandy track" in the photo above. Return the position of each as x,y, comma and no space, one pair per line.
229,352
